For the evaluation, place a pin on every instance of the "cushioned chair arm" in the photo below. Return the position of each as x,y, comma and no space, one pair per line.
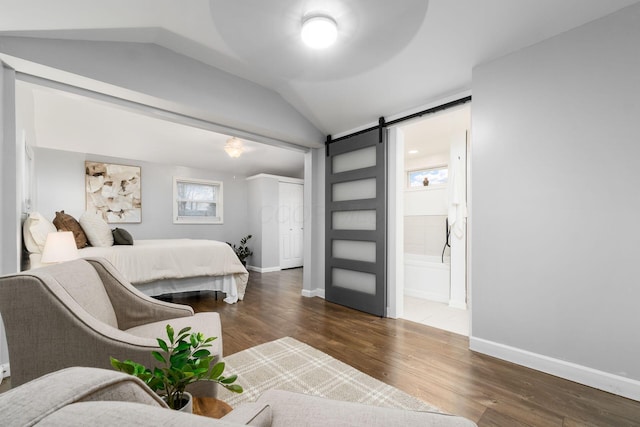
35,400
290,409
56,322
107,414
132,307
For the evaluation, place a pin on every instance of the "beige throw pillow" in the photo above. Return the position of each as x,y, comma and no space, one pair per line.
96,229
35,231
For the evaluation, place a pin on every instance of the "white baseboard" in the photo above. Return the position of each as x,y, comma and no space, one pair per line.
6,372
601,380
313,293
263,270
431,296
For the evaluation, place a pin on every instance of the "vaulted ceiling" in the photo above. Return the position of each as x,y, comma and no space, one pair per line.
390,56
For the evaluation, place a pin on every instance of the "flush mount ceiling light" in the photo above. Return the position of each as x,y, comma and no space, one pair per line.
319,31
234,147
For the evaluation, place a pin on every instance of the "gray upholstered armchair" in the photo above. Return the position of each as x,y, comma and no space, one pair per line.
81,312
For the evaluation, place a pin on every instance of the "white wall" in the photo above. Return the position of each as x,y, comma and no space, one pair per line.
60,186
425,211
263,222
156,76
315,219
426,162
555,205
9,218
395,224
426,201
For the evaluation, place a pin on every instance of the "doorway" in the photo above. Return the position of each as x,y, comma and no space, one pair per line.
434,195
291,224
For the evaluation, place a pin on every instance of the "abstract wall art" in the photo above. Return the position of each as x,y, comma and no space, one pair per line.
113,191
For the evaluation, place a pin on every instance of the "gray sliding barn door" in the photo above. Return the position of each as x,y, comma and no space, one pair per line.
356,227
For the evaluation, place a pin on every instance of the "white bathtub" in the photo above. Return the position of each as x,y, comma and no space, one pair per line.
427,277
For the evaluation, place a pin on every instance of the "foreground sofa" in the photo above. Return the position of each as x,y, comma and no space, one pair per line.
99,397
78,313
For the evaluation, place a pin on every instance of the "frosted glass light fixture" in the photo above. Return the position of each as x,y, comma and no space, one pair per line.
319,31
234,147
59,247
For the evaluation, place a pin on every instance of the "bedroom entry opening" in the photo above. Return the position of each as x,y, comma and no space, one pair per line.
434,218
127,134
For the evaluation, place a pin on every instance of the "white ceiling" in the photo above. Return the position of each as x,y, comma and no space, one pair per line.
74,123
432,134
390,57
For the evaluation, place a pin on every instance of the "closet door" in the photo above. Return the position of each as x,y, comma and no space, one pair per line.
291,212
356,207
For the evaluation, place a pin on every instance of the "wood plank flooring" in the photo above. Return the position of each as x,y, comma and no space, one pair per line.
431,364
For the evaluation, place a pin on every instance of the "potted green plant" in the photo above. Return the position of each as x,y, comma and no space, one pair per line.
242,251
185,360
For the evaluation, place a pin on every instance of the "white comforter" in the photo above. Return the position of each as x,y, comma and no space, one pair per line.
150,260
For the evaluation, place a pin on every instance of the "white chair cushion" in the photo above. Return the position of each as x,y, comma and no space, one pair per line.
81,281
96,229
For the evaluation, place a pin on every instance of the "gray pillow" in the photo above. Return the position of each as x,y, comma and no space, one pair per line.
122,237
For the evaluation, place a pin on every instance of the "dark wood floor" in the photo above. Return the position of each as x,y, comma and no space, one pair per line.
433,365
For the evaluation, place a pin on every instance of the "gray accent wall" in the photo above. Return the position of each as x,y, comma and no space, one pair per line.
10,241
60,186
555,200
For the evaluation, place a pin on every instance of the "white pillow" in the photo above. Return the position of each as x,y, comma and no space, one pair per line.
35,231
96,229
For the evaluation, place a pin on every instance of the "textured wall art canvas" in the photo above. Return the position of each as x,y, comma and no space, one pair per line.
113,191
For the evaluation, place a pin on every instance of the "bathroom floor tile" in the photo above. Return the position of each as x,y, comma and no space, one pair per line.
437,315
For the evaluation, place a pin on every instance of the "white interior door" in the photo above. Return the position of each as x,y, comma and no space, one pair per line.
291,212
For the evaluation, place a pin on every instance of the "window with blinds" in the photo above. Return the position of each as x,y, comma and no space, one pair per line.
197,201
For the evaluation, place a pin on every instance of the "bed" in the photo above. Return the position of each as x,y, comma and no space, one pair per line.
155,267
166,266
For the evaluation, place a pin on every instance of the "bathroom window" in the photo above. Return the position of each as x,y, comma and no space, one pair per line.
430,177
197,201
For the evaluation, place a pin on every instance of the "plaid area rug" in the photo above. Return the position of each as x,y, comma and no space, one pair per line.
288,364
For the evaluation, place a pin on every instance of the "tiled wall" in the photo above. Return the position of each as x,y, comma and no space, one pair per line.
425,235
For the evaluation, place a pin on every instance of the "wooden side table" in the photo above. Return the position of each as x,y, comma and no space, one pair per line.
210,407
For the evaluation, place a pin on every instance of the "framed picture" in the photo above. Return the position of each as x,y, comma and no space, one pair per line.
113,191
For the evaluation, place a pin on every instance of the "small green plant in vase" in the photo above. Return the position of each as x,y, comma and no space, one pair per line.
185,360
